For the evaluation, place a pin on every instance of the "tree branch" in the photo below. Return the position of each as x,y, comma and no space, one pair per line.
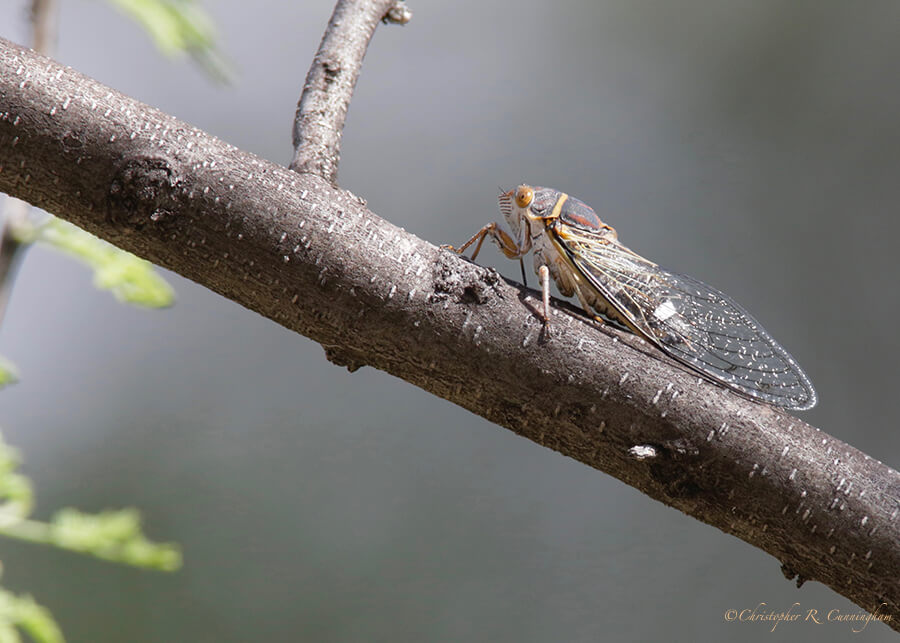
311,257
332,76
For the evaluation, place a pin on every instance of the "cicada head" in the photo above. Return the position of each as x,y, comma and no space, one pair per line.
526,204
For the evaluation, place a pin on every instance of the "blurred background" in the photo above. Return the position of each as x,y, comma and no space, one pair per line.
754,145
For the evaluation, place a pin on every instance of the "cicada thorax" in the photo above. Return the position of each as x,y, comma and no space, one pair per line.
554,217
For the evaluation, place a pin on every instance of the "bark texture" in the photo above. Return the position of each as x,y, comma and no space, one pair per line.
326,95
312,258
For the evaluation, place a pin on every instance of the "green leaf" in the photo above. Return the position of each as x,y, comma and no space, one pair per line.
179,27
33,619
16,497
113,535
130,279
8,375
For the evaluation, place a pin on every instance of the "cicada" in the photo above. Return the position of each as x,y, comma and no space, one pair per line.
688,320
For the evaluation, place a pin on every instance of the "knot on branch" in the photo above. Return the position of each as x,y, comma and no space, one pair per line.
464,282
332,67
340,357
398,14
144,190
667,466
73,141
791,574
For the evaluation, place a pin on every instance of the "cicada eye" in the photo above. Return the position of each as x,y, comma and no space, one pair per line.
524,196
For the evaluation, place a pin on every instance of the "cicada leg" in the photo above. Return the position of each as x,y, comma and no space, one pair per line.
505,242
544,273
507,246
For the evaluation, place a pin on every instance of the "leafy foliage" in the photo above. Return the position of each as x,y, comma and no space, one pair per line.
110,535
179,27
22,613
129,278
176,27
8,375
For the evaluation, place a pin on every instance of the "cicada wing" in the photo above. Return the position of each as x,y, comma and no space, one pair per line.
690,321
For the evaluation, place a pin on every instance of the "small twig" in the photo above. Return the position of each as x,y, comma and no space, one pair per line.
15,212
329,84
43,22
15,216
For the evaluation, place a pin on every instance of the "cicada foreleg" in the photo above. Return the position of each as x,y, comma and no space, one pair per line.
504,242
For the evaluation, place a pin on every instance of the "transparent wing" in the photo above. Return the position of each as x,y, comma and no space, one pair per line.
690,321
